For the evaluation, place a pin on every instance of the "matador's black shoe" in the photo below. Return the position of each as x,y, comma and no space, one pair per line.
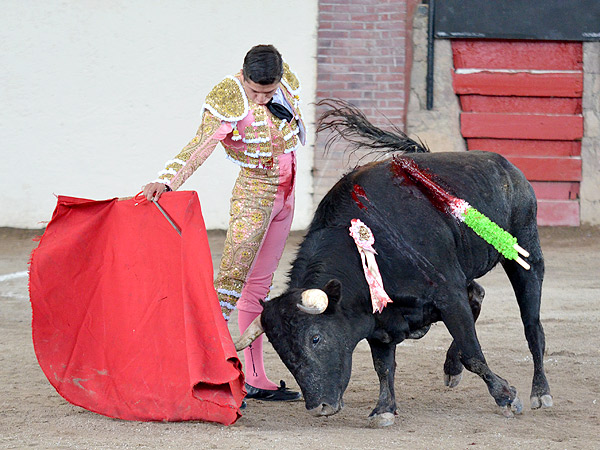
281,394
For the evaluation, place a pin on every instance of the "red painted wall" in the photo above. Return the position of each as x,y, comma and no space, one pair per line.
523,99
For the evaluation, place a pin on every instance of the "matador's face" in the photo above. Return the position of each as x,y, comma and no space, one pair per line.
260,94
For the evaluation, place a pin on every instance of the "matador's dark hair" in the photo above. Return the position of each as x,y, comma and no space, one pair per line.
263,64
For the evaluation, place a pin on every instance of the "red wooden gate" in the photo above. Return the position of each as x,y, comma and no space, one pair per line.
523,99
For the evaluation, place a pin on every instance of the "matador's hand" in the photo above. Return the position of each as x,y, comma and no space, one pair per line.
153,191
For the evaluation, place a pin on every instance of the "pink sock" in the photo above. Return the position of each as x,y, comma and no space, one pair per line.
253,356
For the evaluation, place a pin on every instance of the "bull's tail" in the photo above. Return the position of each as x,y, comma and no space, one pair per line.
345,121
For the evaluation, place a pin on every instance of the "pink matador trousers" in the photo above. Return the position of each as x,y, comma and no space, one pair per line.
261,213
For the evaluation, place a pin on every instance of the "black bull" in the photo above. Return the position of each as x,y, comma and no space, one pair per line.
428,262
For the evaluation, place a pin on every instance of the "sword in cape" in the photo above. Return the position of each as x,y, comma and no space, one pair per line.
164,213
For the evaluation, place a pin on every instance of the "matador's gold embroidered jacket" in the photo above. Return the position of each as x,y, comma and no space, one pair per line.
251,135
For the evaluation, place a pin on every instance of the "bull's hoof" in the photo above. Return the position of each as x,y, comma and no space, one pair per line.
324,409
418,334
381,420
516,407
452,380
545,401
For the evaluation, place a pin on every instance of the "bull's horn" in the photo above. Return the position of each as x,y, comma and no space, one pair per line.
254,330
314,301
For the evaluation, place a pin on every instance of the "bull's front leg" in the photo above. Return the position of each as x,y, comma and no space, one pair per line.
384,361
458,318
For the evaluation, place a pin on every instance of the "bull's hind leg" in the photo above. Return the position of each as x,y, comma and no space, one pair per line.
384,361
453,367
527,285
458,318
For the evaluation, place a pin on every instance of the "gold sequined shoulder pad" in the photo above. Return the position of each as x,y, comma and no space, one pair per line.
290,80
227,100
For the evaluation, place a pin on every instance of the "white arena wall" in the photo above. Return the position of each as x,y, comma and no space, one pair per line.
97,95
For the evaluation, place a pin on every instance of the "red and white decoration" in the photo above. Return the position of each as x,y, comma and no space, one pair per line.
364,239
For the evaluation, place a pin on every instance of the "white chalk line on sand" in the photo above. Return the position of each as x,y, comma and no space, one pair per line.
14,276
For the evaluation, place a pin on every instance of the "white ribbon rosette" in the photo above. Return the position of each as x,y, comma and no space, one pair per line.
364,239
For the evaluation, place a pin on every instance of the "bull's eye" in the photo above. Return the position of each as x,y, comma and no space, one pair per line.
315,339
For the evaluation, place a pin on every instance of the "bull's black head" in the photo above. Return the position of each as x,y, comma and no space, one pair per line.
316,348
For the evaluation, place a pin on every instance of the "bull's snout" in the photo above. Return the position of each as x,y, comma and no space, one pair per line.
325,409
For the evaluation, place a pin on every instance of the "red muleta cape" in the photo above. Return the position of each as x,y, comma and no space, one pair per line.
126,321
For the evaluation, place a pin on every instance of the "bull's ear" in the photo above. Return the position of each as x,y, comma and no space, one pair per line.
333,289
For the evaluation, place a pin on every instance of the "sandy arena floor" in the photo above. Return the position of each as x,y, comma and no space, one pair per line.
431,416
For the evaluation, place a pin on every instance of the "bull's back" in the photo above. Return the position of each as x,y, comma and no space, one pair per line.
408,223
488,181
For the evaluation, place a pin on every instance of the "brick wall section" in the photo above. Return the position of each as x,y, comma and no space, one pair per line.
362,58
